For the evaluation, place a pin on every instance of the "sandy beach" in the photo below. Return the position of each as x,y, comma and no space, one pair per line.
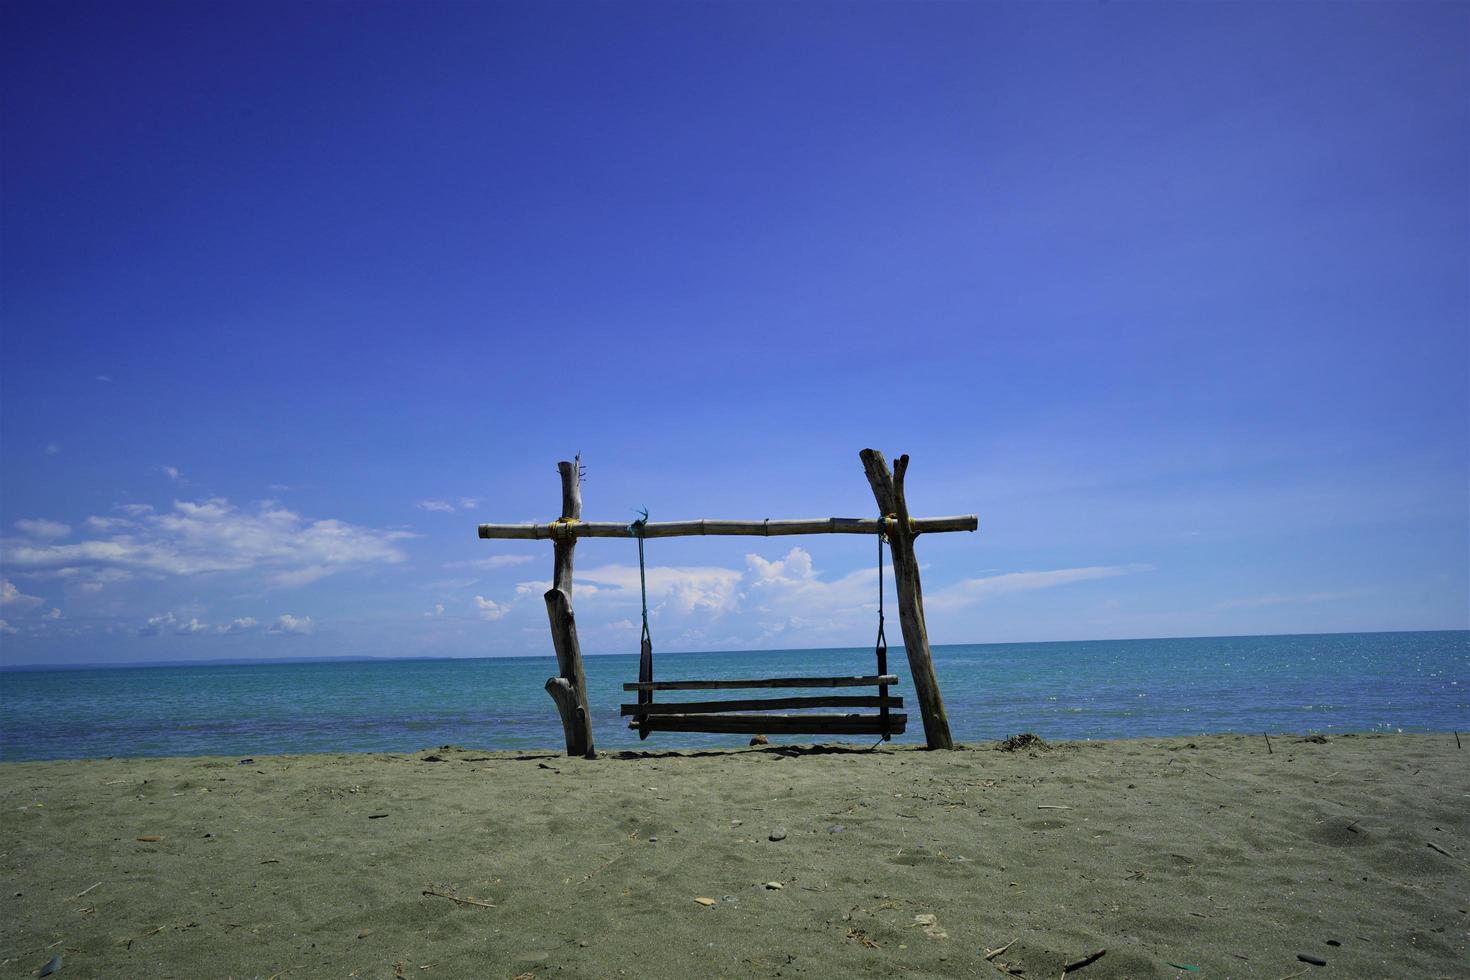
1186,856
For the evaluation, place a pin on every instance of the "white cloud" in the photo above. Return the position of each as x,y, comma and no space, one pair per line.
157,624
52,449
494,561
785,600
793,579
242,625
975,590
172,472
211,536
438,610
436,506
490,609
469,503
302,576
104,377
54,614
287,623
42,528
7,628
687,588
108,523
10,595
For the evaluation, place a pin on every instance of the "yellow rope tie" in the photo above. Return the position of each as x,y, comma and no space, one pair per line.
561,528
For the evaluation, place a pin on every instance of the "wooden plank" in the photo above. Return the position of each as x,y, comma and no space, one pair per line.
758,704
645,674
723,684
774,724
888,492
572,529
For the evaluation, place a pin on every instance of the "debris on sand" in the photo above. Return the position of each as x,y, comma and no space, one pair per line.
1025,740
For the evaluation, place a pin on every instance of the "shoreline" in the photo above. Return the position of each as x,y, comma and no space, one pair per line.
1461,736
1208,851
792,748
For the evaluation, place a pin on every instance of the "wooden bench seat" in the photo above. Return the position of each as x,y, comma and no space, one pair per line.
733,716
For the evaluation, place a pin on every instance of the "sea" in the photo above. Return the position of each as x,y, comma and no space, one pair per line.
1104,689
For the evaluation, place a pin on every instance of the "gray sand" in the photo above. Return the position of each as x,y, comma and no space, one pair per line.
1208,852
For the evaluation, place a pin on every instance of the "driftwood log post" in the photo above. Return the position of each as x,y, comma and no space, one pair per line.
888,491
569,690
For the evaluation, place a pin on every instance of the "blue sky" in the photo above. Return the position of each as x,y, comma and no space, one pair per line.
292,296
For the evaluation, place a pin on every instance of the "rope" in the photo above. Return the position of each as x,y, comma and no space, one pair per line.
636,529
880,648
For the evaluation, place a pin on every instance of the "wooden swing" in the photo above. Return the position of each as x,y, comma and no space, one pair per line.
734,717
569,688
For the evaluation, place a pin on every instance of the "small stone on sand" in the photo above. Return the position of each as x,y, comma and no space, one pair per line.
705,901
778,834
774,886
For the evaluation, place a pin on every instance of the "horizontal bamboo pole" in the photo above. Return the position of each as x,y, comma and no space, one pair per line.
774,724
708,685
561,530
757,704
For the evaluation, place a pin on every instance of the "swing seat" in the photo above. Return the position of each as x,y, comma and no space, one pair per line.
733,716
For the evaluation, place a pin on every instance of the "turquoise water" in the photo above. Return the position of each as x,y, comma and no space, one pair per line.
1099,689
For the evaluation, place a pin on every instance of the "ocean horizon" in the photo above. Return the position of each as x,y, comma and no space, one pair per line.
1415,681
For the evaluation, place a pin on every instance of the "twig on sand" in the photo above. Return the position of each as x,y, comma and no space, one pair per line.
85,890
991,954
1047,806
1435,847
1293,976
151,932
601,867
1079,964
1269,750
456,898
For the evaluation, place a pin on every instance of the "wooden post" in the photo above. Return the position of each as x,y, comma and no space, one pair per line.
888,491
569,690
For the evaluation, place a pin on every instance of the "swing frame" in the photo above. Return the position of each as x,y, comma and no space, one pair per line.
568,689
